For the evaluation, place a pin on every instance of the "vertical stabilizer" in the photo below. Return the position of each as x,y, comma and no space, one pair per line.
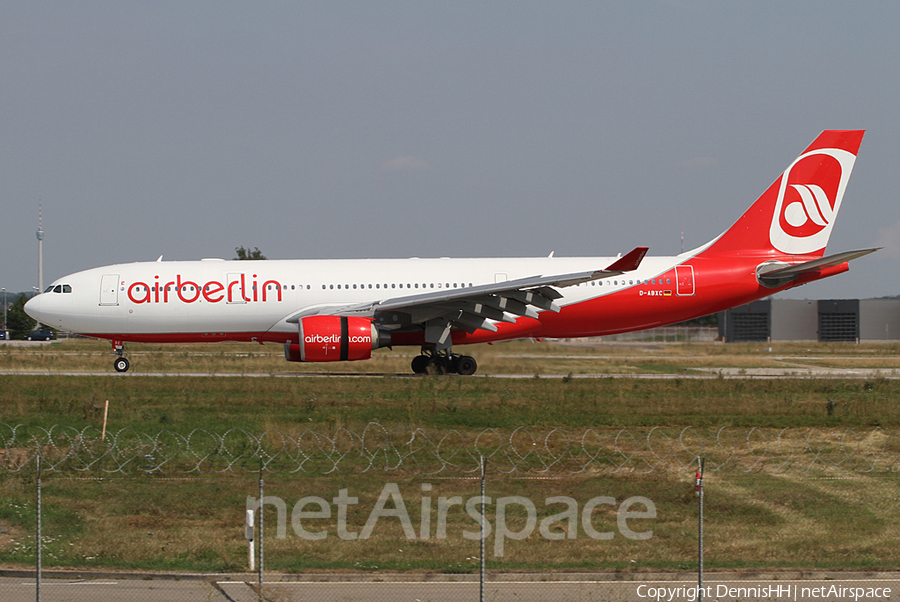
795,215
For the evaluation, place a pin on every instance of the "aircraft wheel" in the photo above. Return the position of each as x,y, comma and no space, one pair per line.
420,364
466,365
437,366
121,365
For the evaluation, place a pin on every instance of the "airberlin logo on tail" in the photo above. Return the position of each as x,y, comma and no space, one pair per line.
809,196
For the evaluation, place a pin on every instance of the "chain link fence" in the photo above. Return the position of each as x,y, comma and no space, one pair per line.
598,514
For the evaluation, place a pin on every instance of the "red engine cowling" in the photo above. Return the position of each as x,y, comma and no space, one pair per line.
334,339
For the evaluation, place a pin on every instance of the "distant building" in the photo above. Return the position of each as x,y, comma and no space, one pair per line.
826,320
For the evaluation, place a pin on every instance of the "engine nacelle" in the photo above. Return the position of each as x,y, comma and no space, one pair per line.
336,339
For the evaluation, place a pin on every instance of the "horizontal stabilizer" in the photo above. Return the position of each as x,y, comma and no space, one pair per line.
776,274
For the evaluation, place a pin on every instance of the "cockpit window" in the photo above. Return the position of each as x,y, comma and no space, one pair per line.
48,289
57,288
67,288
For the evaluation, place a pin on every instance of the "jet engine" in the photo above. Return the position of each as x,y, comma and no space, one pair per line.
336,339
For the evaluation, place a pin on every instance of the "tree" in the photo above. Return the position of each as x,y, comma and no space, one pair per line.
18,322
243,253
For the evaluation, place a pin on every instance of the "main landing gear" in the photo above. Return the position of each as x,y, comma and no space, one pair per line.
443,362
121,364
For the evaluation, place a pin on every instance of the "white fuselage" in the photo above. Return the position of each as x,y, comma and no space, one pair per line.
210,297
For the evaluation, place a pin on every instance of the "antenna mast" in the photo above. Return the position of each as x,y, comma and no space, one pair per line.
40,237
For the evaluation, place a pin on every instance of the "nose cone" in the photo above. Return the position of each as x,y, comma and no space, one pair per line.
33,307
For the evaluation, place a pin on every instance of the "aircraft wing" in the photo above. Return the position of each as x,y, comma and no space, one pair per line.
475,307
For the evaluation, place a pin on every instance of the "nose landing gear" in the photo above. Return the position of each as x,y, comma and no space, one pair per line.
121,363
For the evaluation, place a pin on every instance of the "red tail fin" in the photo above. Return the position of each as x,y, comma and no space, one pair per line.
795,215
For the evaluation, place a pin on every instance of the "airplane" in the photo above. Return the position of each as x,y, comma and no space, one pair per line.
330,310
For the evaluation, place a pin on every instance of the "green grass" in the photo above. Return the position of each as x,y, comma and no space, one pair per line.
195,523
183,403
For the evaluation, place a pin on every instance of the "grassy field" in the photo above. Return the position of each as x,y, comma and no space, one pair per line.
514,357
393,397
195,522
258,404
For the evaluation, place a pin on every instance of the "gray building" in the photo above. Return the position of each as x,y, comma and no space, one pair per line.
826,320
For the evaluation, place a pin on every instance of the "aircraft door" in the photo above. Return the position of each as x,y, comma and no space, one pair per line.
684,280
109,289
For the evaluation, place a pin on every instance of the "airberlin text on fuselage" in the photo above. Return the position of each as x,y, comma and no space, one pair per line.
213,291
335,338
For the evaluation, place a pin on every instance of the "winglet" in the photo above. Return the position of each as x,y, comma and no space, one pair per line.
628,263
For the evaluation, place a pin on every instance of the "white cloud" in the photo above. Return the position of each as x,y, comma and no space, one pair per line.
889,238
404,164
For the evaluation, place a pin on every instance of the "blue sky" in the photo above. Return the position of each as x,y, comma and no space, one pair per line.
394,129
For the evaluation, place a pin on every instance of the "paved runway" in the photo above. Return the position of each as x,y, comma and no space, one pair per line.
707,374
453,588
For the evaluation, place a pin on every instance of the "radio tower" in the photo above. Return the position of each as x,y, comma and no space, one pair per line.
40,237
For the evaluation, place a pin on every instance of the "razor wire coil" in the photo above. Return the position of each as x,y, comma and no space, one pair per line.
523,450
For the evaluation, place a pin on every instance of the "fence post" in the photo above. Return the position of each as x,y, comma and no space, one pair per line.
37,539
483,521
262,537
699,493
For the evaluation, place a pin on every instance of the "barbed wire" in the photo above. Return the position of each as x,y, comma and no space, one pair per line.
412,450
